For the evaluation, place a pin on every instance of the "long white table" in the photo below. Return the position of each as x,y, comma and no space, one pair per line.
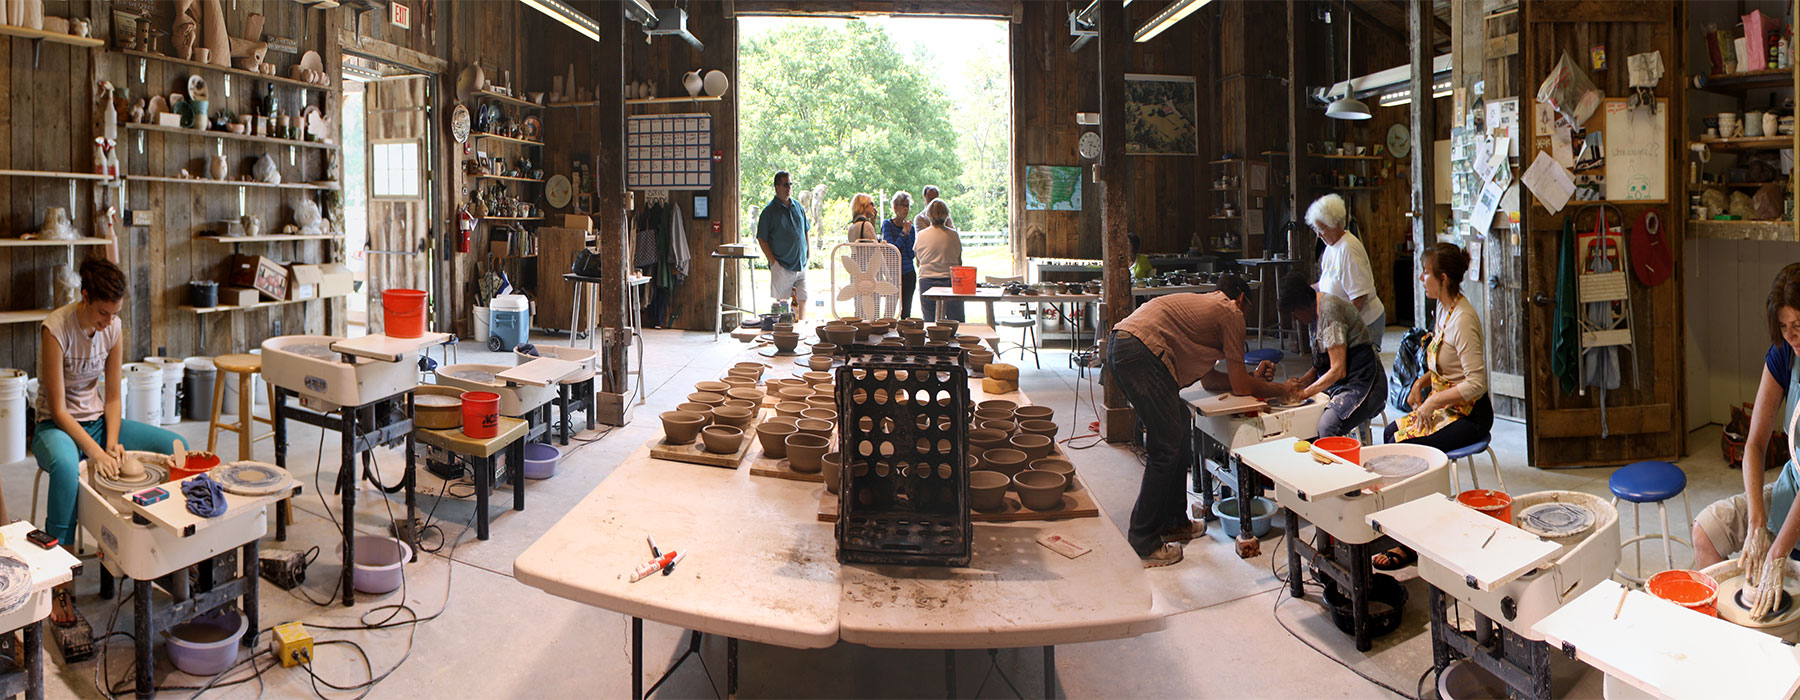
759,566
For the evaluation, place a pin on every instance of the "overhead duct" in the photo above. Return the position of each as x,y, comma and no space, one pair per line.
670,21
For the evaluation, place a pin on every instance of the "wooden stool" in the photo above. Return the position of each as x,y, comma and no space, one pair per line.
246,367
482,453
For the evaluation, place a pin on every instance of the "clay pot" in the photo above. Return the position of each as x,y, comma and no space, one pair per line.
741,373
892,343
880,328
794,393
712,387
824,414
967,341
732,416
707,397
979,359
722,439
840,334
1038,490
786,342
774,437
987,414
949,323
914,337
1034,412
890,320
822,401
1045,428
1005,460
849,320
832,466
789,408
814,426
987,489
680,427
784,420
940,333
805,450
1059,466
750,406
816,378
819,363
981,440
1004,426
825,389
824,348
217,167
698,408
754,396
937,344
910,323
997,403
783,382
739,382
1035,447
783,327
820,329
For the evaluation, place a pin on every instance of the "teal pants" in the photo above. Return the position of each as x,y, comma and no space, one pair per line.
59,457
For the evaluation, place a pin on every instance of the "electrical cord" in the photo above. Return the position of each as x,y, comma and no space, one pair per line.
1285,594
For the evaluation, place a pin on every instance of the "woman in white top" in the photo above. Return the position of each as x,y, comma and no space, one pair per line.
935,250
1344,268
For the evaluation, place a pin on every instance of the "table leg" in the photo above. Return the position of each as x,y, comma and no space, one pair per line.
563,392
1049,672
516,458
106,583
252,601
637,654
587,392
346,481
721,296
282,514
1361,573
1441,654
731,667
949,656
575,312
1296,581
1247,544
484,480
34,661
412,493
143,627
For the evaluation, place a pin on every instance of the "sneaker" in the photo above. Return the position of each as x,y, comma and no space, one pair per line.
1192,529
1165,555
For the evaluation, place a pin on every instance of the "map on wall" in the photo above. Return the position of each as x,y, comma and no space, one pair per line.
1053,187
1161,118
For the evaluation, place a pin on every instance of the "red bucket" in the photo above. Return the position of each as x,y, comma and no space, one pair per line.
1689,589
1348,448
1494,503
962,279
403,313
197,463
481,414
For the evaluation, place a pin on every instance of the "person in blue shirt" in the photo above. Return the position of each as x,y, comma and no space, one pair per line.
781,231
898,232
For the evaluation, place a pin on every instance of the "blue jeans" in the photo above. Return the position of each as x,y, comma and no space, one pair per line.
928,307
1168,439
1357,397
59,457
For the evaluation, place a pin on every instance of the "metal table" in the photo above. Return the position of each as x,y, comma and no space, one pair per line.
994,295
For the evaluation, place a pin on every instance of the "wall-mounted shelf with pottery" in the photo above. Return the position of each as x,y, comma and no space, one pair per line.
507,178
257,305
49,243
86,42
234,183
507,99
1749,143
178,131
480,136
1739,83
236,240
54,175
253,75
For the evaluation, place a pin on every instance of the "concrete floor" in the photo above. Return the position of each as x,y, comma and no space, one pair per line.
496,637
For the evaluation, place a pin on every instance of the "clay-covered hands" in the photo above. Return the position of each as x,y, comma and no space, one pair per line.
1265,370
109,463
1756,549
1295,388
1768,586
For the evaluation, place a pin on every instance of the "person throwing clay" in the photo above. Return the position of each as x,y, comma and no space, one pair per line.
1345,366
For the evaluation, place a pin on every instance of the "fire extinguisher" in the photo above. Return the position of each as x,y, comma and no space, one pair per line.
465,225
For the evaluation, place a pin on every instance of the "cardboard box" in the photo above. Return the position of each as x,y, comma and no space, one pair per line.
238,296
260,273
579,222
337,280
304,281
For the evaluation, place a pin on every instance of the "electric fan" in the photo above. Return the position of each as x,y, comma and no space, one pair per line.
872,272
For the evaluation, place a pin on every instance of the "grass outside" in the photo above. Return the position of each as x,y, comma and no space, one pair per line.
988,261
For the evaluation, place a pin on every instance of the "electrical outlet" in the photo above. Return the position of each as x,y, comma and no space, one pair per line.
275,327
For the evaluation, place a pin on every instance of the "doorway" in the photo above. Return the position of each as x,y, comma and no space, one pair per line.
389,191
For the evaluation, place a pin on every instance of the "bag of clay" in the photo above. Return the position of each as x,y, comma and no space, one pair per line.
1570,91
1715,200
307,217
1740,206
1767,204
68,285
57,226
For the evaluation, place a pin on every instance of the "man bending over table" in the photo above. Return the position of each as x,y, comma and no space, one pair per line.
1169,343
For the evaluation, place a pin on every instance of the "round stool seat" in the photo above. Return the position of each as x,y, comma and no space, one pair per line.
1467,451
1257,357
239,363
1648,482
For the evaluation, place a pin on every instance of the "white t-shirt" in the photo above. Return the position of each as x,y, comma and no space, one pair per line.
1344,272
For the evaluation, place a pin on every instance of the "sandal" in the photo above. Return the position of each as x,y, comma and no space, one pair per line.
62,604
1394,559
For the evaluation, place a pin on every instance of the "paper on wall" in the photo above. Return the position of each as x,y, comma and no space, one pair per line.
1502,147
1481,219
1503,122
1562,147
1482,160
1549,182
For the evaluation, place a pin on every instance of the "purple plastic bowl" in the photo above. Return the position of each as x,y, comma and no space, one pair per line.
540,460
208,644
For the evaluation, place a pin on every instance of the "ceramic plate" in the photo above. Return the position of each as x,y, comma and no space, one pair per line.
196,87
558,191
716,83
311,61
459,122
530,127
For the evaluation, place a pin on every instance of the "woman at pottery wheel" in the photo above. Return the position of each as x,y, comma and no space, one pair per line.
80,352
1345,366
1761,524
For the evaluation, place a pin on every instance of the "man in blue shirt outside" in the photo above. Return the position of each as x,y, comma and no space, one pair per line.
781,230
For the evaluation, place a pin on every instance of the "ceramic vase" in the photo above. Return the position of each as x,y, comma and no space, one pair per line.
34,14
693,83
252,225
214,36
217,167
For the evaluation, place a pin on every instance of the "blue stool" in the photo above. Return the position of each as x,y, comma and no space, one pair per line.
1650,482
1467,456
1257,357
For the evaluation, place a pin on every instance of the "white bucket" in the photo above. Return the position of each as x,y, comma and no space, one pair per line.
481,324
172,372
259,396
12,416
143,392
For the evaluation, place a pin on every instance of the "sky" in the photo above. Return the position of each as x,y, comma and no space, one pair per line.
950,42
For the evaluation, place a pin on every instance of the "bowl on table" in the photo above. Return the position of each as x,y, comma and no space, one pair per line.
1034,412
1005,460
805,450
1035,447
711,387
722,439
732,416
987,489
789,408
773,437
1040,490
681,427
1059,466
831,466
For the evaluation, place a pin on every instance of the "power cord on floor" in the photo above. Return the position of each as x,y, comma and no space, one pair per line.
1285,594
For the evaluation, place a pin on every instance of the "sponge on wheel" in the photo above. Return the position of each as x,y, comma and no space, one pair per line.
998,370
990,385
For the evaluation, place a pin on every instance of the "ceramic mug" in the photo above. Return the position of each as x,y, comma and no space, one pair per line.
1728,124
1712,133
1753,124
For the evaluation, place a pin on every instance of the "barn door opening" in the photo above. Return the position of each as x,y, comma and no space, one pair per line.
390,188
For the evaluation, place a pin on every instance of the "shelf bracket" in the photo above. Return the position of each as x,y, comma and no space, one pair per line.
37,52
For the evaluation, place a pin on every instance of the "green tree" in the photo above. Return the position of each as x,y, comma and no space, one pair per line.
979,196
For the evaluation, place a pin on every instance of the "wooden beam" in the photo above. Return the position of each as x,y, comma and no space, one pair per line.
1442,28
609,143
392,53
986,9
1420,50
1296,109
1625,11
1119,423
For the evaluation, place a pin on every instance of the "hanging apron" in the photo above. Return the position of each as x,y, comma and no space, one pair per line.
1412,425
1781,495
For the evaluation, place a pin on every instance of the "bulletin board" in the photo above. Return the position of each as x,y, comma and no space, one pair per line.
1636,152
668,152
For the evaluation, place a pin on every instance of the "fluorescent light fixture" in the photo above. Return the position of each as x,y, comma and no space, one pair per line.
556,10
1403,96
1175,12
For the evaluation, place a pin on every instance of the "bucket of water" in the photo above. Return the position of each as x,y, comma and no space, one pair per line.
481,414
1494,503
962,279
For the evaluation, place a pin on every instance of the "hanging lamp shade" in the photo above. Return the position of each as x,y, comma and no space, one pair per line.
1348,108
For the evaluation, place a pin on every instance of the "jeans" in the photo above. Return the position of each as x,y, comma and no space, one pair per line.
1460,433
909,282
953,310
59,457
1357,397
1168,440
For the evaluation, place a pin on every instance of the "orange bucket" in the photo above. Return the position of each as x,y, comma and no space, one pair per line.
1348,448
197,463
403,312
1494,503
1689,589
962,279
481,414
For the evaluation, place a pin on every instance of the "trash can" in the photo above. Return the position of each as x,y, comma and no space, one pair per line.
200,376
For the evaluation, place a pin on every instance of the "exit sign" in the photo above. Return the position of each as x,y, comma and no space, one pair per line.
400,15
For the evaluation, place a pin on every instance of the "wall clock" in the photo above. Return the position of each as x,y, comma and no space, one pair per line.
1089,147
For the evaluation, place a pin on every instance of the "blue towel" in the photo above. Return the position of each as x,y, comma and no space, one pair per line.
204,496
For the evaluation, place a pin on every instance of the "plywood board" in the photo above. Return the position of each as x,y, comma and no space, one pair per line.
1079,503
1301,472
543,371
778,468
1227,404
695,452
388,348
1463,540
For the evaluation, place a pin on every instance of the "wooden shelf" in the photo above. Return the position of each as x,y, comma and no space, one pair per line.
257,305
234,240
40,243
496,137
1782,183
86,42
518,257
52,174
1224,217
229,183
1279,154
1224,161
561,105
1358,187
1224,189
1753,80
1332,157
1749,143
512,218
27,316
508,99
1742,230
507,178
222,69
673,100
178,131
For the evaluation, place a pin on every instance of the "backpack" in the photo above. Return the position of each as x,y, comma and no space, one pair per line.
1409,365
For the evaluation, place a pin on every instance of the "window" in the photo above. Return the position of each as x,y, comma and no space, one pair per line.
394,169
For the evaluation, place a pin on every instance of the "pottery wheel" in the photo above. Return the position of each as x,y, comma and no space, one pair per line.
15,581
1556,520
154,474
1733,601
250,478
1395,466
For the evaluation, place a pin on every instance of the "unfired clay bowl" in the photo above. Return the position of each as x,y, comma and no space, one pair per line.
940,333
913,336
987,489
722,439
1039,490
1035,447
706,397
1046,428
774,437
822,401
819,363
967,340
987,414
824,348
746,394
910,323
1059,466
786,342
734,417
804,450
979,359
814,426
816,378
1004,426
794,393
949,323
739,381
997,403
840,334
1034,412
741,403
712,387
820,329
784,420
981,440
680,427
849,320
1005,460
699,409
892,343
824,414
789,408
754,368
832,467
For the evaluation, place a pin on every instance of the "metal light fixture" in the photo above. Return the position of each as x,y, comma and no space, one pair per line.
1175,12
556,10
1348,107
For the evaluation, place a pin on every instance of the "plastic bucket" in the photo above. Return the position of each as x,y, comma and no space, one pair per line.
481,324
208,644
403,313
1262,515
200,376
378,563
143,392
481,414
1689,589
1494,503
1463,680
203,295
1348,448
12,415
171,387
540,460
197,463
962,279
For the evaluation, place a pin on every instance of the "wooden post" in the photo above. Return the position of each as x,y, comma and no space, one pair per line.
1119,423
1299,244
609,141
1419,48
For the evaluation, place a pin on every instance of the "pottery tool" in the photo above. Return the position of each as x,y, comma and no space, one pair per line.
1490,538
1324,457
1623,592
645,569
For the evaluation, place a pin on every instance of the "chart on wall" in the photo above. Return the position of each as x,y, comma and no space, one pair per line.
1053,188
1160,115
669,151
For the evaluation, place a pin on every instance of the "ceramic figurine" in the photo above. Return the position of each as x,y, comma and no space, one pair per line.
80,27
218,166
214,36
252,225
266,171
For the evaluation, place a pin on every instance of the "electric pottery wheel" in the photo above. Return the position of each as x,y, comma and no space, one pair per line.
1733,600
156,471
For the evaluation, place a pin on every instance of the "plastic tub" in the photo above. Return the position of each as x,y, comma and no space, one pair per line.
171,387
962,279
1463,680
481,324
143,392
1689,589
203,295
1494,503
1262,515
12,415
200,376
481,414
208,644
1348,448
198,462
540,460
378,563
403,313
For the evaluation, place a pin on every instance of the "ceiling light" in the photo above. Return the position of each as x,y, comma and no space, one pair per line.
1175,12
1348,108
560,12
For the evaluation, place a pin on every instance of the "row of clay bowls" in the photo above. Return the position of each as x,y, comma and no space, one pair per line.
1038,489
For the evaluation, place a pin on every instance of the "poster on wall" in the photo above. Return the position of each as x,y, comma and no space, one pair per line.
1052,188
1161,116
1635,165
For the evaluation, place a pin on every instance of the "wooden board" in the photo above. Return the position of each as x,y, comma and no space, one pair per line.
388,348
1453,535
172,514
1300,472
1079,503
543,371
1228,404
454,440
695,452
1672,652
764,465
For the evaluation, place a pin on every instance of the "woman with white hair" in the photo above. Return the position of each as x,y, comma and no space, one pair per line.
1344,268
937,249
899,232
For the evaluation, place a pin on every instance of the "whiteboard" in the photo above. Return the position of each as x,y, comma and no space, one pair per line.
1637,152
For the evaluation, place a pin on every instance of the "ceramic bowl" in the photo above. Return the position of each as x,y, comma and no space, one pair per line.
820,329
840,334
824,348
707,397
816,378
774,437
987,414
739,382
784,420
831,466
880,328
819,363
1034,412
940,332
822,401
967,340
825,389
1039,490
890,320
750,374
722,439
1005,460
1059,466
751,367
981,440
794,393
913,336
1004,426
814,426
750,406
1046,428
987,489
697,408
892,343
864,329
680,427
949,323
849,320
997,403
824,414
744,393
732,416
1035,447
786,342
784,327
910,323
782,382
789,408
804,451
712,387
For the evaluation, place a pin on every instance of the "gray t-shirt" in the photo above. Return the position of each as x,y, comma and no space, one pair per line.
1340,323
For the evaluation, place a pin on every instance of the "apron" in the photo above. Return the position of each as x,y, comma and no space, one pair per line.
1360,377
1781,495
1411,425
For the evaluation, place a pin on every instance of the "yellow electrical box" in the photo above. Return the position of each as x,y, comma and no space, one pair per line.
293,644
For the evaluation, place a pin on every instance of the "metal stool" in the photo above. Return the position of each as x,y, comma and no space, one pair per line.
1650,482
733,308
246,367
1467,455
